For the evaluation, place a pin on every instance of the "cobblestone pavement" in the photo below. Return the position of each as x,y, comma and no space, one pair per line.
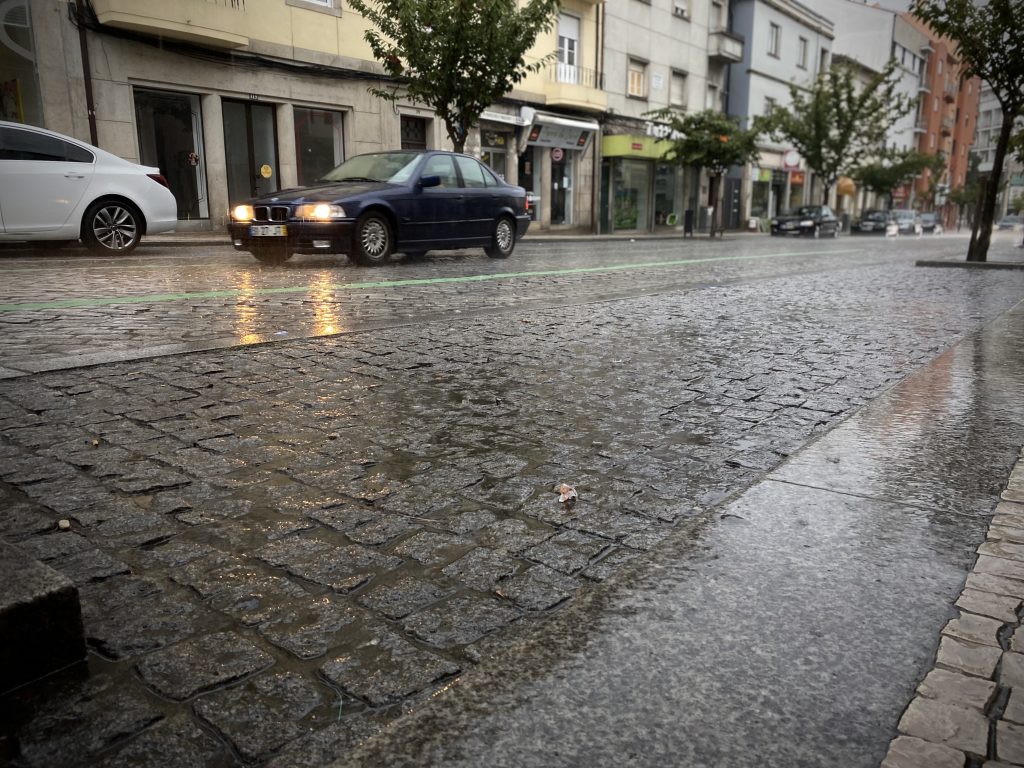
66,312
278,547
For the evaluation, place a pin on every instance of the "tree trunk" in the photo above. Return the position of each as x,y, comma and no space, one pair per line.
978,249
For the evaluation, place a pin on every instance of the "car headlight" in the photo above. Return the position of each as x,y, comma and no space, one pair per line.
319,211
807,223
243,213
775,222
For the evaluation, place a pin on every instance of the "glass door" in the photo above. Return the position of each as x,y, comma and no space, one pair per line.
171,138
250,148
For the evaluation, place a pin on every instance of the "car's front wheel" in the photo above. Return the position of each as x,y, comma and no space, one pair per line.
503,241
373,240
112,227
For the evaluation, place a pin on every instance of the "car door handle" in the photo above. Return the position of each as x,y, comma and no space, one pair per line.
74,175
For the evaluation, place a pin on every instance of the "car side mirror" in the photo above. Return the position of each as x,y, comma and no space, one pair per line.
430,181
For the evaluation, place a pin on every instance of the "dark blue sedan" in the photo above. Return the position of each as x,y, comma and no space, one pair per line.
376,204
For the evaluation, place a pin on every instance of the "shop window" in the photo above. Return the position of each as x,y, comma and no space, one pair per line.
319,143
170,134
637,86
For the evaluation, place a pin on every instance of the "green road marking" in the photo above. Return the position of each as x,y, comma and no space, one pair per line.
155,298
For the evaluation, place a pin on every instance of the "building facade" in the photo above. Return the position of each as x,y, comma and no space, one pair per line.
1011,180
659,54
787,43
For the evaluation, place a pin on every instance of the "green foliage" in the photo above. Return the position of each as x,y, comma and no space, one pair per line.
837,124
708,140
990,42
882,177
456,56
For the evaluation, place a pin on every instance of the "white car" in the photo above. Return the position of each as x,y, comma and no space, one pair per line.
56,188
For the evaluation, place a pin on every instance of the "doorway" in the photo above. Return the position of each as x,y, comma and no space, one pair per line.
250,149
170,134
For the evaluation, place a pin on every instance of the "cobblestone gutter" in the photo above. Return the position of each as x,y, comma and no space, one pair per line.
969,710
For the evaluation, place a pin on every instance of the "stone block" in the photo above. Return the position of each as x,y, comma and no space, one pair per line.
955,727
1011,672
957,689
1010,742
909,752
40,619
974,629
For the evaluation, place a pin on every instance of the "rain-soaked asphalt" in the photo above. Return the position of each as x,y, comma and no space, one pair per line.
281,547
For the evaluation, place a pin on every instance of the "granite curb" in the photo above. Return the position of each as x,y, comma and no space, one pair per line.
969,709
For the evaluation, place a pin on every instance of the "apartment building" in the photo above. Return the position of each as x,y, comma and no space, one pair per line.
658,54
787,43
990,121
232,98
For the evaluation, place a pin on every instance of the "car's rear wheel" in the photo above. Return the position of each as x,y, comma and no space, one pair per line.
503,241
274,255
373,240
112,227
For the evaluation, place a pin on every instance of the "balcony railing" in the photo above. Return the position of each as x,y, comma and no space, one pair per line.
949,91
570,74
947,126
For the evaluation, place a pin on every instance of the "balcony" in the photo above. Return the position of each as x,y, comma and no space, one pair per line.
947,126
949,92
578,87
204,22
725,47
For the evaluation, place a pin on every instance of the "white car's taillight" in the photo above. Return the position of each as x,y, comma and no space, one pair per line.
159,179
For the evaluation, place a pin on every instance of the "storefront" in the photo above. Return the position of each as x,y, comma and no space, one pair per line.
498,133
20,99
639,193
555,166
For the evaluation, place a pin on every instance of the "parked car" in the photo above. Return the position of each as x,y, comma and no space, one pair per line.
908,221
1011,221
54,188
813,220
930,223
375,204
872,222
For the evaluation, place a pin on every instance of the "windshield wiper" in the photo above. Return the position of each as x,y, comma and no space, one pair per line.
358,178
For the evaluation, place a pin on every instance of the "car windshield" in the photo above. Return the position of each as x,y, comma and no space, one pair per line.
927,217
392,167
807,210
875,216
903,214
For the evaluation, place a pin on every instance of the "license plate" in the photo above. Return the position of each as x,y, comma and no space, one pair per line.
268,230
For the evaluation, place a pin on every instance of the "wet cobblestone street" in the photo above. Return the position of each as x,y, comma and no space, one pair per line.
281,547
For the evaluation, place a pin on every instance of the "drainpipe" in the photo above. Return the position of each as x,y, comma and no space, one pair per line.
90,106
595,176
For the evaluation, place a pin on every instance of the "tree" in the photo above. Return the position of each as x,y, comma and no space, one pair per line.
456,56
835,125
882,177
990,42
708,140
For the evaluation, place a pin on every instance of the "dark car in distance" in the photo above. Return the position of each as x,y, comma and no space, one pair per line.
372,205
813,220
872,222
930,223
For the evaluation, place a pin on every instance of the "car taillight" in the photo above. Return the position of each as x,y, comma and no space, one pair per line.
527,209
159,179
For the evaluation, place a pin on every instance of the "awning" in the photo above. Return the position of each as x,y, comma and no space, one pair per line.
566,122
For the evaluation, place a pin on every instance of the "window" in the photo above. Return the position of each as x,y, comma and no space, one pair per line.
677,89
319,143
774,39
568,48
16,144
931,140
801,53
441,165
472,172
680,9
940,66
823,60
769,105
712,98
414,132
718,20
637,87
935,104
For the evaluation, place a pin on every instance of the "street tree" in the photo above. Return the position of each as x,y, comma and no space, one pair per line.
989,39
839,123
709,140
883,176
456,56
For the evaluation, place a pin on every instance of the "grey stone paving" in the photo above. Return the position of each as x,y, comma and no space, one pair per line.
279,547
